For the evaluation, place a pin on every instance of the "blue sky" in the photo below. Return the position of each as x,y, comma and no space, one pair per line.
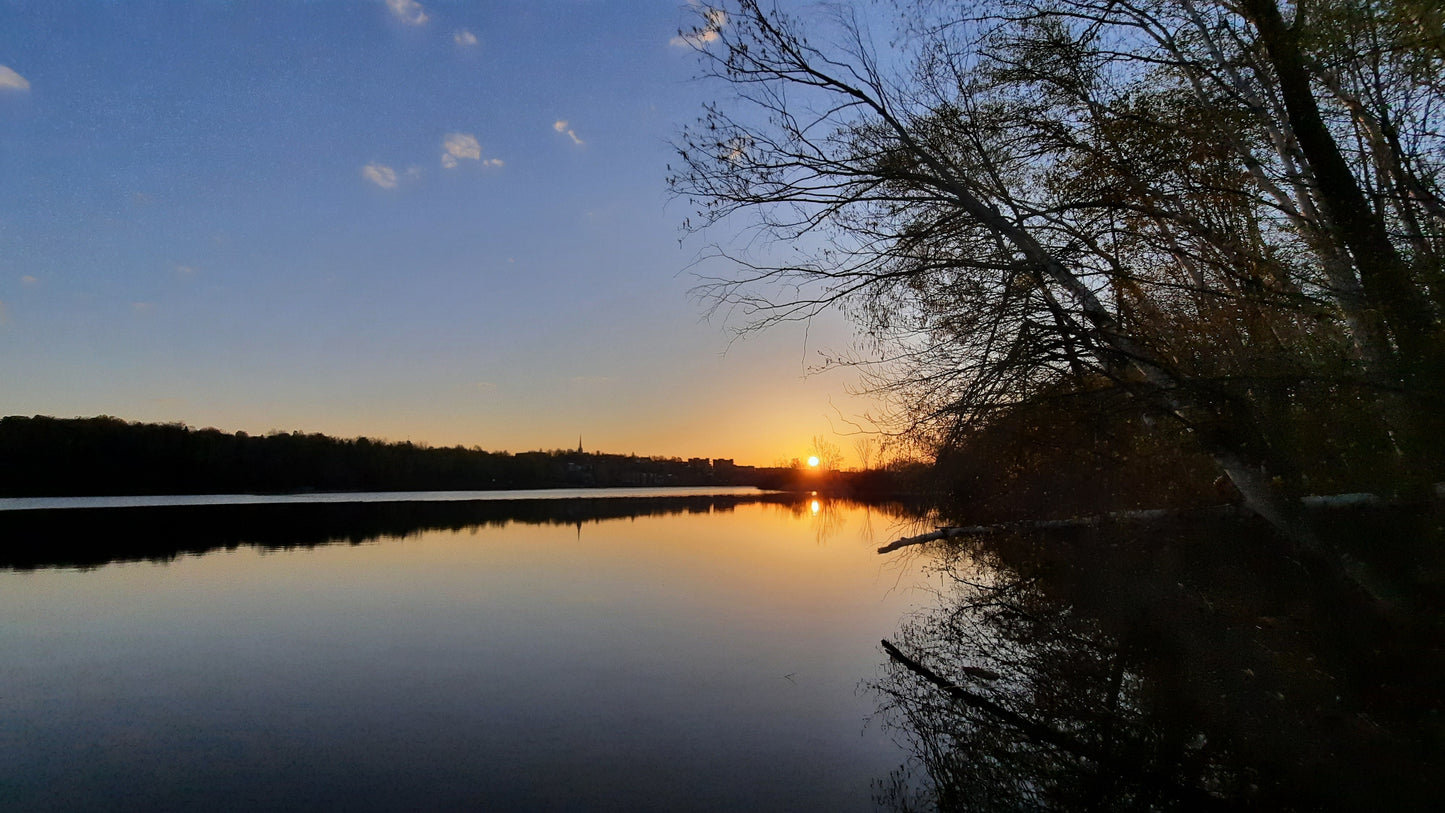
438,221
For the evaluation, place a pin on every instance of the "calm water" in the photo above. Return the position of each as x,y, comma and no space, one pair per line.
32,503
699,653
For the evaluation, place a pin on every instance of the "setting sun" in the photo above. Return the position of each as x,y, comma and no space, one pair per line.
813,461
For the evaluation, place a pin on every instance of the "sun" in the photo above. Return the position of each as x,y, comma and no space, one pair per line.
813,462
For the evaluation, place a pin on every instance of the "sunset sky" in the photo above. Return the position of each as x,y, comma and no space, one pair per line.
441,221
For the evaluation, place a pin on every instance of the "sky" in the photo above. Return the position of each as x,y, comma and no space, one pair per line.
445,222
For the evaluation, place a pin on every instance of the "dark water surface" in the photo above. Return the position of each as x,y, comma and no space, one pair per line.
690,653
1179,664
684,651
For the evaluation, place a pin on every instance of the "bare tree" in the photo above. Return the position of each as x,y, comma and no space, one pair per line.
865,447
830,457
1066,194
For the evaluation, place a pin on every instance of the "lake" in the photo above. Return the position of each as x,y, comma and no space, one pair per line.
608,652
675,650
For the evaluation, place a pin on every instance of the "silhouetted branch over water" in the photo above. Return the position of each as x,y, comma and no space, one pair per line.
1088,245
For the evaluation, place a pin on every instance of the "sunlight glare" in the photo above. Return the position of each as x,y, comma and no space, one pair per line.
813,461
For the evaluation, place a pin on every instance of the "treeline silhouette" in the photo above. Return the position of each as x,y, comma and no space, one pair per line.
44,456
91,537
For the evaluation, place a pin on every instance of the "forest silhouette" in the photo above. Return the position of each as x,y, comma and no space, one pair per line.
46,456
104,456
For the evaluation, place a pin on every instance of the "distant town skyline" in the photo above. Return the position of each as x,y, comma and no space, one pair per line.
441,222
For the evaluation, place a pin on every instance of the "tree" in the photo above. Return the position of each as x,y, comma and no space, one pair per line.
865,447
1232,217
830,457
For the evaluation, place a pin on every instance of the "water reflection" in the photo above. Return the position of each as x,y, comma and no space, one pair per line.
693,655
91,537
828,517
1167,668
692,652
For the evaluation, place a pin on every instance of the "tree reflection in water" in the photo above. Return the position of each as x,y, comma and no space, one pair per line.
1118,668
92,537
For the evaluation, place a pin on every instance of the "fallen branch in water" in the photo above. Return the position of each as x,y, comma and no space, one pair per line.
1315,502
1002,527
941,533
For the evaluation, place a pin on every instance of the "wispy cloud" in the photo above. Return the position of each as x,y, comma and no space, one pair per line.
408,11
458,147
560,125
28,280
10,80
185,270
713,20
142,308
380,174
464,38
494,162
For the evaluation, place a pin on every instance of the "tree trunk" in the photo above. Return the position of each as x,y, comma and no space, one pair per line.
1384,274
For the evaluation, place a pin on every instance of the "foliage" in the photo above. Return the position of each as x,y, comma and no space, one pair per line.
1232,219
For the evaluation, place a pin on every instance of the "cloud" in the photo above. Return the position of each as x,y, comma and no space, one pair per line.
713,20
28,280
408,11
560,125
10,80
380,174
185,270
464,38
142,308
460,146
494,162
